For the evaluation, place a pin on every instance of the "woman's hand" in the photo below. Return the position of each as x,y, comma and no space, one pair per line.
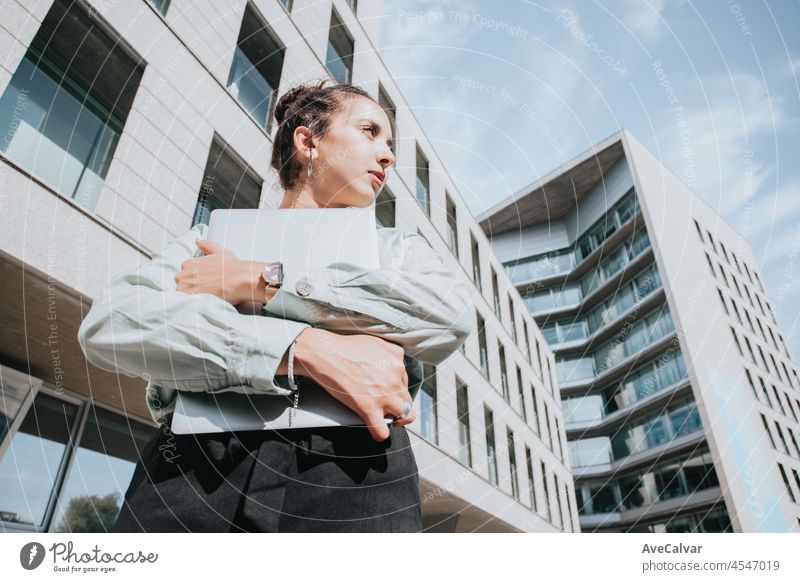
222,273
364,372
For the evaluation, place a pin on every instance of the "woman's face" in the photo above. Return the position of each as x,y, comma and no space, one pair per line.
357,143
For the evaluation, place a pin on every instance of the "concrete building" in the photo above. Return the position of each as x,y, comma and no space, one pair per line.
680,396
124,123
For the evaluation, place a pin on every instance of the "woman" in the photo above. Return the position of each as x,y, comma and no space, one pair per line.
213,323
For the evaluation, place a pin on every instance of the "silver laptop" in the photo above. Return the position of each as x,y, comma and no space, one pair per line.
313,237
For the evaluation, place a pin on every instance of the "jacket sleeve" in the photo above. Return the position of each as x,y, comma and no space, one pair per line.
142,326
414,299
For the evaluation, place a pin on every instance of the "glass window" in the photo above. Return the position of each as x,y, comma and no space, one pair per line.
65,106
603,498
429,424
628,207
590,451
464,438
657,431
423,182
249,87
574,369
699,473
491,452
100,473
503,373
339,59
452,225
14,388
227,183
476,262
583,408
512,462
668,481
482,349
385,208
160,5
256,70
30,468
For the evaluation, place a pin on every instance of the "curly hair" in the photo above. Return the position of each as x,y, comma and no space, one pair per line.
311,105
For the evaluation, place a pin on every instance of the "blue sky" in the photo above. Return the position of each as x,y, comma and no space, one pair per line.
507,91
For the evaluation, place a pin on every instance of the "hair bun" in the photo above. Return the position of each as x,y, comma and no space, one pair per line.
288,99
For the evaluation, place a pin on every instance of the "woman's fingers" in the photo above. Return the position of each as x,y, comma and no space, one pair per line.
395,408
209,247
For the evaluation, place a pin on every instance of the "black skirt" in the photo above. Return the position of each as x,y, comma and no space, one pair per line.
331,479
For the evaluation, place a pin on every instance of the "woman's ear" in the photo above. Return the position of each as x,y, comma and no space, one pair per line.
303,141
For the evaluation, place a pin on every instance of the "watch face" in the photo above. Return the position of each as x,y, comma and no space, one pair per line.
273,273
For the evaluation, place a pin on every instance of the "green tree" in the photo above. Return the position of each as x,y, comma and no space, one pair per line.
90,514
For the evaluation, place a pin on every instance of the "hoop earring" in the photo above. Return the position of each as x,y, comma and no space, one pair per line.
310,163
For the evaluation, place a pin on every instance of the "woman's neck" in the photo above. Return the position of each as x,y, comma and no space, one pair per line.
299,199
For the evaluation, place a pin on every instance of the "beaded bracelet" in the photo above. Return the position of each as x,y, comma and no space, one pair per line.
292,384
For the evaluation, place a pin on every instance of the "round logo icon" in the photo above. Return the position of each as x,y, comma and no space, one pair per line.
31,555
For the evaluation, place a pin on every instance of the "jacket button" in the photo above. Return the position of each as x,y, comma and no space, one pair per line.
303,287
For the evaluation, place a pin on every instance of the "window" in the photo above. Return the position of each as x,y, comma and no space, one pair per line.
37,453
287,4
55,476
464,438
385,208
512,461
725,252
391,111
227,183
531,481
779,430
699,232
786,483
558,500
484,354
549,427
724,303
536,411
67,102
546,491
736,262
503,373
476,262
752,384
513,319
527,338
339,59
736,341
423,182
558,439
92,495
521,395
452,225
160,5
769,433
491,453
256,69
495,292
429,424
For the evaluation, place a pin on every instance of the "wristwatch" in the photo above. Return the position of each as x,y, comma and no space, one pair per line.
272,274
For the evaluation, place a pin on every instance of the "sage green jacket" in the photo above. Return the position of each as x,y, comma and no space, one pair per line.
140,325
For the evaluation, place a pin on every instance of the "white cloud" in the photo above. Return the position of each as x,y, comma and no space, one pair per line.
716,152
644,17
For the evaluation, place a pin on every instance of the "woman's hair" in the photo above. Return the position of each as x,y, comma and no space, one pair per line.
311,105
